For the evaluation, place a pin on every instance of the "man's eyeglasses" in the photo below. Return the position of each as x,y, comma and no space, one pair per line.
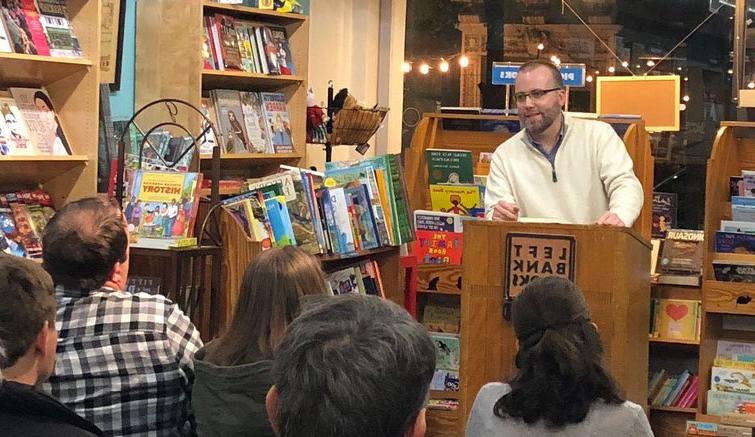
534,94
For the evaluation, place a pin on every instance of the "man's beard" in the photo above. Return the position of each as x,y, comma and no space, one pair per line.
538,126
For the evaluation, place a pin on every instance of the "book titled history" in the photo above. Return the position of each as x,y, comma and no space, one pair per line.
449,166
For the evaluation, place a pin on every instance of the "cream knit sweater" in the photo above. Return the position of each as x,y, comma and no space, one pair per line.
593,171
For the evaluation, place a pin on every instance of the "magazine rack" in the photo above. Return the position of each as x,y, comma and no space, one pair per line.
187,273
351,126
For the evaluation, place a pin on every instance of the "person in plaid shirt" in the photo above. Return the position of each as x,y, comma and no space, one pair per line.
124,360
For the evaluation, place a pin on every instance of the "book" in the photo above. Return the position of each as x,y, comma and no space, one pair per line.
456,199
280,221
682,251
732,380
735,226
229,44
269,53
447,355
736,186
735,242
664,213
277,122
231,120
439,237
445,380
34,26
45,130
17,28
284,55
748,178
5,42
721,402
343,281
163,207
441,316
734,271
254,121
735,350
208,141
677,318
14,136
449,166
53,15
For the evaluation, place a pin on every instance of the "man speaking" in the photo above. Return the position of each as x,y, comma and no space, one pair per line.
559,168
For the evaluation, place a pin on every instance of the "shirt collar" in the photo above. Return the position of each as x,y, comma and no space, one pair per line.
558,140
79,292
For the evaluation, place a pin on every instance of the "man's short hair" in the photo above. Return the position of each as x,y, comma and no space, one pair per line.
27,301
83,242
558,80
352,366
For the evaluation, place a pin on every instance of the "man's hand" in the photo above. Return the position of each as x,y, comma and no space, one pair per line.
610,219
505,211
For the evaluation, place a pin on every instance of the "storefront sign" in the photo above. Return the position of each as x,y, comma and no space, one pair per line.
504,73
530,256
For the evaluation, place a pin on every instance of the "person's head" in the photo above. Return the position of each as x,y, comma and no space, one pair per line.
27,321
272,289
42,101
86,245
352,365
539,93
560,357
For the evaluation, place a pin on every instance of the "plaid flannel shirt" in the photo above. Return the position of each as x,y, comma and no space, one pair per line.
124,361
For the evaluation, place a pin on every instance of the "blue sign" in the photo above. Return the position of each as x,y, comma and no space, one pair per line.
505,74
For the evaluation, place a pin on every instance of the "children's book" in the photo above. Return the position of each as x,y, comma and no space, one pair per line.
277,122
14,136
280,221
61,39
677,318
439,237
447,355
254,121
446,166
283,50
231,119
38,112
664,213
682,251
456,199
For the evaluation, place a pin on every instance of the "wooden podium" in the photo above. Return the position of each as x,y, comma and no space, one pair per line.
610,265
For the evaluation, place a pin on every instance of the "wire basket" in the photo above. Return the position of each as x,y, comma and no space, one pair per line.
356,126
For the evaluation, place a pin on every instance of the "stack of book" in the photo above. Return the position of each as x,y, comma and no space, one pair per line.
235,44
736,235
679,257
29,125
353,206
288,6
363,278
442,320
37,27
678,391
249,122
732,379
23,217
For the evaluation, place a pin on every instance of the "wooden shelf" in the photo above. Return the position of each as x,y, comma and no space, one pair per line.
674,409
724,297
674,341
22,69
448,292
738,123
441,394
32,170
246,160
243,80
334,258
280,17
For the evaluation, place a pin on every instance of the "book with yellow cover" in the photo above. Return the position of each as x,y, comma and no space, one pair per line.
677,319
456,199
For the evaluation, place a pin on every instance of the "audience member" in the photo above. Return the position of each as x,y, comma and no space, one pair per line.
233,372
124,360
562,387
27,355
349,366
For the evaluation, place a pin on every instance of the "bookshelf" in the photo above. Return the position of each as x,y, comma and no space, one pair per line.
73,86
733,150
445,281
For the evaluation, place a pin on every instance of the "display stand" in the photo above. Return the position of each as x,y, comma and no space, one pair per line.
191,274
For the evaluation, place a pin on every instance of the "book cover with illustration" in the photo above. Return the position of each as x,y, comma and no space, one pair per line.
446,166
231,120
284,56
665,207
5,42
62,40
735,242
682,251
277,122
439,315
447,355
161,207
456,199
439,237
254,121
677,318
734,271
445,380
45,130
14,136
343,281
358,201
280,221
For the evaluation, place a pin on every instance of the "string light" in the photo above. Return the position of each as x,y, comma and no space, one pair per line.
751,85
638,66
650,63
597,72
541,46
685,98
556,60
679,68
424,68
682,107
589,78
612,69
407,67
686,78
464,61
625,64
730,71
443,66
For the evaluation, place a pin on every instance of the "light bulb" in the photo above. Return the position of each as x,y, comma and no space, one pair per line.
650,63
443,66
751,85
685,98
424,68
556,60
407,67
682,107
730,71
625,64
541,46
464,61
686,78
589,78
611,69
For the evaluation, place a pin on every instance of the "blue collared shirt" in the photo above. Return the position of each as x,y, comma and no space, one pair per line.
550,156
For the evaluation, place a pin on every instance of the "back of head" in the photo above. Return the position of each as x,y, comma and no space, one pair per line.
272,290
560,357
352,366
83,242
28,301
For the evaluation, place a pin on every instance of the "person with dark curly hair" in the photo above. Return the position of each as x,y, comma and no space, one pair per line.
562,387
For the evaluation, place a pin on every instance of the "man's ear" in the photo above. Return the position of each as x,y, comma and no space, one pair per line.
271,405
419,427
41,345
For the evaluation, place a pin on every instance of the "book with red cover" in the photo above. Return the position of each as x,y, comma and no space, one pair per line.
229,43
439,237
